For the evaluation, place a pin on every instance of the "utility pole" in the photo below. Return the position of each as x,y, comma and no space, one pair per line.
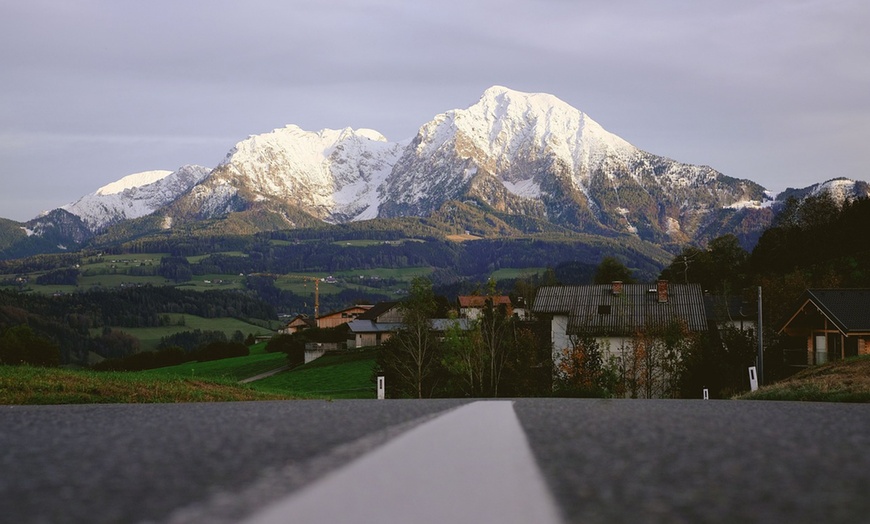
760,343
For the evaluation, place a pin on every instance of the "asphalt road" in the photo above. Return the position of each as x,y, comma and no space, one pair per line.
597,461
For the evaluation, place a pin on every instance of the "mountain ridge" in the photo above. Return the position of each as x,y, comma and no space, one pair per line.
511,153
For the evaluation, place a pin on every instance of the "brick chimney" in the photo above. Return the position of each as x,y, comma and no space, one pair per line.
616,287
662,291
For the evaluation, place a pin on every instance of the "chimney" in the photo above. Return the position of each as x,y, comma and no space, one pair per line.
662,291
617,287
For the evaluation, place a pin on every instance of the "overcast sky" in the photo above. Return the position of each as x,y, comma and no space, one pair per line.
777,91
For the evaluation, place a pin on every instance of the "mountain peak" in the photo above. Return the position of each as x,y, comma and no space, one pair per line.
515,153
135,196
505,123
504,95
132,181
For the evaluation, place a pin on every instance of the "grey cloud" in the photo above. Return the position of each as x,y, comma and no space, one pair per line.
774,91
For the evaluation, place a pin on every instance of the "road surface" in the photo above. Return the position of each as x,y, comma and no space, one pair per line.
528,460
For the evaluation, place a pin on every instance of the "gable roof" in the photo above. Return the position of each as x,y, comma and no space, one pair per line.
358,307
368,326
597,310
377,310
847,309
302,319
479,301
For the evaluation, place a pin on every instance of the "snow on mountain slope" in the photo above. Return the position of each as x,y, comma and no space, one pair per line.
532,153
527,154
842,189
135,196
506,134
332,174
132,181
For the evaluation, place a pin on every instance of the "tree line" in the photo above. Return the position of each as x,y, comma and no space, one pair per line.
67,321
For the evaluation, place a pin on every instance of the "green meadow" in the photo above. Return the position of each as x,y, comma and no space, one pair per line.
149,337
340,375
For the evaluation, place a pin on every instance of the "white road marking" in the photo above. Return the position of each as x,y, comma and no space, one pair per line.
472,464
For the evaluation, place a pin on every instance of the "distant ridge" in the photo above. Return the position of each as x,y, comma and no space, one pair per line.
528,158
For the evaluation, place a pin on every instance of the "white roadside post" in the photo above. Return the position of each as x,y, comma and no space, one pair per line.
706,394
380,387
753,378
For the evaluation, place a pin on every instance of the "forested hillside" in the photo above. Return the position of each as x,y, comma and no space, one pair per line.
812,243
71,321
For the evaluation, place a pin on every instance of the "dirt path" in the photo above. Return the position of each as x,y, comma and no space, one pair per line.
264,375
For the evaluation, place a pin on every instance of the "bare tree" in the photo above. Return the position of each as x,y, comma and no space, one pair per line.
410,359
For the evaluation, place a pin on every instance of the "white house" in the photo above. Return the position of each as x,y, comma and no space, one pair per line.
613,314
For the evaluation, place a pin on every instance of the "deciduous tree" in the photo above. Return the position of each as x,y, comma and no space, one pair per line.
411,359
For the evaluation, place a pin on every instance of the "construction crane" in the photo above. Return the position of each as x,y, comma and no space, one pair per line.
316,295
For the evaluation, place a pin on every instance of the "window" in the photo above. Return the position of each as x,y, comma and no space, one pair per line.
821,349
603,310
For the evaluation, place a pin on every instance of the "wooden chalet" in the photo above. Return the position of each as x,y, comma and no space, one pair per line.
298,323
375,326
833,324
342,316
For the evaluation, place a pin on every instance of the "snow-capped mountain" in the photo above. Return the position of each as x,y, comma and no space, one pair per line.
135,196
510,153
534,154
840,189
333,175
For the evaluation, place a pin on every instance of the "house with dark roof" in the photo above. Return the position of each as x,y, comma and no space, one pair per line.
833,323
614,314
375,326
300,322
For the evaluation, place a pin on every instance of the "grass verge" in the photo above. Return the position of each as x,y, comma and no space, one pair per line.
30,385
841,381
228,369
339,375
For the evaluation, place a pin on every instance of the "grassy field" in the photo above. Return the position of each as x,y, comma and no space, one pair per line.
462,238
196,258
842,381
230,369
116,271
347,375
150,337
512,273
362,279
29,385
368,243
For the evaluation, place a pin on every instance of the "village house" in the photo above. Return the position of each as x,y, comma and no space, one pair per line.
375,326
830,324
613,314
342,316
300,322
471,306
